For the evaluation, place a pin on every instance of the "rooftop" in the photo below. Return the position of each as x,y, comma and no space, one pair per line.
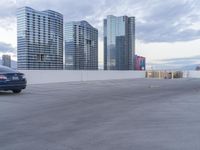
135,114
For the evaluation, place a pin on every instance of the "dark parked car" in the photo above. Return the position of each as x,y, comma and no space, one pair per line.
11,80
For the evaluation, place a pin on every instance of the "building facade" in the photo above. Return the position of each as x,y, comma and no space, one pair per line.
81,46
140,63
119,43
39,39
6,60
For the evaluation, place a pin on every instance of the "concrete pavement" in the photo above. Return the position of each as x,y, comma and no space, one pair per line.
138,114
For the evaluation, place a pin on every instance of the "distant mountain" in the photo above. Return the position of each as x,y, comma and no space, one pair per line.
165,66
189,67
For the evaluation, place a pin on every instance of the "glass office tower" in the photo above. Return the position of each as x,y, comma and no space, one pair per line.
81,46
39,39
119,43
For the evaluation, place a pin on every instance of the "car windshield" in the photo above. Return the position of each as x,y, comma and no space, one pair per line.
6,70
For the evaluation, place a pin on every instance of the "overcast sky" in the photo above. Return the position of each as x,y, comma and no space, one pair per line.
165,30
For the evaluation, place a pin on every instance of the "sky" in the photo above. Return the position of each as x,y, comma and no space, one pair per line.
167,32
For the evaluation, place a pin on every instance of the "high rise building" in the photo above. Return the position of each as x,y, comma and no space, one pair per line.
119,43
140,63
6,60
81,46
39,39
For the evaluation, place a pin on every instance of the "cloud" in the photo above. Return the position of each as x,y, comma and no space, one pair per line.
156,20
7,13
193,58
8,8
69,8
6,48
170,21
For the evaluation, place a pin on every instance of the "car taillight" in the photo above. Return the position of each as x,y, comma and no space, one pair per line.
3,77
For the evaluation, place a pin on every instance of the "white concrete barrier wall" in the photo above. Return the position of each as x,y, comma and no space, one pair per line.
192,74
56,76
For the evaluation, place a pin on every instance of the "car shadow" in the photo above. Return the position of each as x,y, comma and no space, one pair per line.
8,93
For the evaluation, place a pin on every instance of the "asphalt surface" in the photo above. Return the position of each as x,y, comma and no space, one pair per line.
140,114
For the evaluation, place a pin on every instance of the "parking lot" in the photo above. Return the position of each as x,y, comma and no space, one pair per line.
138,114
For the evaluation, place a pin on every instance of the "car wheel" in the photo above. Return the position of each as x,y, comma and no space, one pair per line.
16,91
